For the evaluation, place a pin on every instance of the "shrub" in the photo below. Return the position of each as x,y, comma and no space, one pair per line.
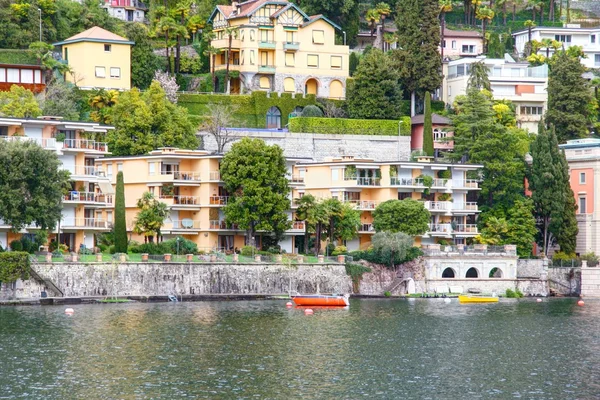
248,251
16,245
346,126
330,248
312,111
515,294
383,257
185,246
387,293
356,271
591,258
559,255
14,265
339,250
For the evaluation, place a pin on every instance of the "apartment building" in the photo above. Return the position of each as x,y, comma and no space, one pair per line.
126,10
451,198
583,156
189,182
99,59
570,35
520,83
78,145
275,46
458,44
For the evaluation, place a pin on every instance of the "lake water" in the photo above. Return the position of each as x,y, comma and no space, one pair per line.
383,349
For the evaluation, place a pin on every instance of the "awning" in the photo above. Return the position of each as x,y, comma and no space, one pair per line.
106,187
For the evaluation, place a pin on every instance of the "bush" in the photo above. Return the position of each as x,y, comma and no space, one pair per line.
339,250
387,293
16,245
356,271
591,258
185,246
14,265
312,111
383,257
514,294
330,248
248,251
559,255
346,126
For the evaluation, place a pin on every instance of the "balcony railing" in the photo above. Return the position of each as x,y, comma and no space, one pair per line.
467,183
266,69
84,144
184,175
215,175
46,143
86,170
368,181
366,228
261,20
397,181
297,179
449,229
291,46
219,200
186,200
298,226
440,228
72,222
266,44
438,206
182,224
465,228
465,206
364,204
87,197
221,225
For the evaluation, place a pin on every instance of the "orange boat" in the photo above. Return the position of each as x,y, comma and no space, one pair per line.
315,300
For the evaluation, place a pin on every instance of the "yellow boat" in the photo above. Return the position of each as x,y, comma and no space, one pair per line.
477,299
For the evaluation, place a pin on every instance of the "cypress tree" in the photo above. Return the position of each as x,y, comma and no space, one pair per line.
568,97
564,226
427,127
120,224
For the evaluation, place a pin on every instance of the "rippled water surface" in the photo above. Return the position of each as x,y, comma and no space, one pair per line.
387,349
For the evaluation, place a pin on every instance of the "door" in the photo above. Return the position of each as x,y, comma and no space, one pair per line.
273,118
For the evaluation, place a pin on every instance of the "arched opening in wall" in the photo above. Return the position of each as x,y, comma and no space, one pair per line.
264,82
273,118
311,86
496,273
336,90
289,85
448,273
472,273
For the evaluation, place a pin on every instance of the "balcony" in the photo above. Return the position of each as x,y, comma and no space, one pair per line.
84,223
266,44
364,204
76,197
84,172
368,181
469,207
184,226
465,230
186,176
222,226
444,230
223,44
84,145
185,202
466,184
297,227
46,143
296,180
215,176
291,46
266,69
438,206
261,20
447,230
218,200
366,228
181,178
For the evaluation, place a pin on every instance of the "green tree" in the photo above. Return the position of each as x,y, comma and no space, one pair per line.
427,127
522,226
485,14
374,92
305,211
19,103
478,77
568,97
143,60
150,216
396,244
31,185
353,63
418,41
343,220
61,99
408,216
169,28
120,222
255,173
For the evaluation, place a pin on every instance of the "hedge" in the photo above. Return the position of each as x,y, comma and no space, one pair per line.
250,110
14,265
344,126
19,57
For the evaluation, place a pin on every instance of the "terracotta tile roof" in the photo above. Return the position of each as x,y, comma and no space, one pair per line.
96,33
471,34
225,10
435,119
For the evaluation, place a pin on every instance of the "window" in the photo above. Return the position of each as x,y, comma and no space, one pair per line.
582,178
335,174
109,170
264,82
109,217
107,48
597,60
563,38
251,56
402,196
582,206
252,35
100,72
454,45
26,76
264,35
313,60
336,62
289,85
119,167
468,48
318,37
290,59
439,135
151,168
115,72
242,35
290,36
593,39
242,57
66,54
530,110
12,75
444,43
352,196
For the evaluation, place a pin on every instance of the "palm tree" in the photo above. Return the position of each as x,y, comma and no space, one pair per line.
182,10
383,9
484,14
529,24
504,4
547,43
231,32
167,27
211,52
195,24
305,212
372,18
445,6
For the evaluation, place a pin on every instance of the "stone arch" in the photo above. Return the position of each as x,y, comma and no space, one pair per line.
336,89
311,86
472,273
449,273
495,273
273,118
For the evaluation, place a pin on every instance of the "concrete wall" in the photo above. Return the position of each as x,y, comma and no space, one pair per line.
183,279
319,147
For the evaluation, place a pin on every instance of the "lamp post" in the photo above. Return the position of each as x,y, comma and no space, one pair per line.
344,32
40,11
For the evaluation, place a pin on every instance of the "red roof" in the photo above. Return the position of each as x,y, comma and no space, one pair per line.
468,34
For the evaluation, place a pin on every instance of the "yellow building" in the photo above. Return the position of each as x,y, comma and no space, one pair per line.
77,145
98,59
277,47
451,198
189,182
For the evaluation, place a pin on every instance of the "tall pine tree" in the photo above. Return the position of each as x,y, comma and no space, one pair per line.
568,97
427,127
417,58
120,223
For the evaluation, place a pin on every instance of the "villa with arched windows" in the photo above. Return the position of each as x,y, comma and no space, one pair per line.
277,47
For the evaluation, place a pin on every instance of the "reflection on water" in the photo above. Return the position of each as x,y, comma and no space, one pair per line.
419,349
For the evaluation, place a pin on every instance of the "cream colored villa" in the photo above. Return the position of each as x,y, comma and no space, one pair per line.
78,145
277,47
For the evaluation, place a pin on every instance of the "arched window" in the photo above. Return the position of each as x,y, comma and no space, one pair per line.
311,87
472,273
273,118
336,90
496,273
289,85
448,273
264,82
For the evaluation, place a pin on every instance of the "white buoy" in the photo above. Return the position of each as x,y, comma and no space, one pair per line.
69,311
308,311
447,300
539,300
289,304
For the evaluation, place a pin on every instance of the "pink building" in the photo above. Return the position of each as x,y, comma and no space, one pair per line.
462,43
442,129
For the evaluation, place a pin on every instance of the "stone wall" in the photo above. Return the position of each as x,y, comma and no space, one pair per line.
565,281
530,268
590,282
529,287
21,290
130,279
319,147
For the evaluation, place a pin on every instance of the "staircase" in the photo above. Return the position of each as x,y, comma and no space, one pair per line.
394,285
48,284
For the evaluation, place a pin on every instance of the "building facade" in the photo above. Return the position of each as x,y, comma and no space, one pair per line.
99,59
583,156
520,83
30,77
78,145
276,47
442,132
126,10
571,35
462,43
